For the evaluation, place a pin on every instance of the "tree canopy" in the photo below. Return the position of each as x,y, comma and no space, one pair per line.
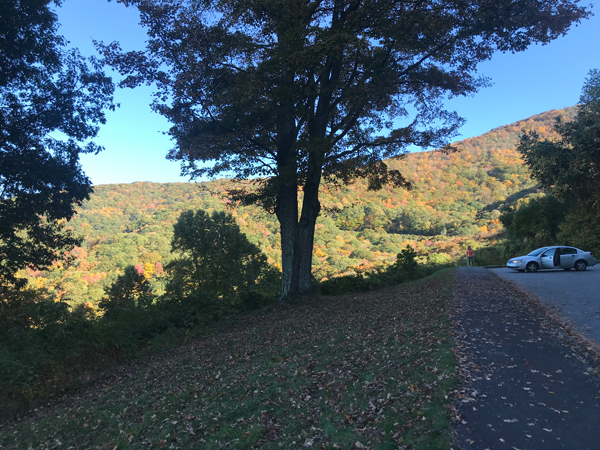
129,291
567,168
218,255
51,103
219,267
571,164
296,91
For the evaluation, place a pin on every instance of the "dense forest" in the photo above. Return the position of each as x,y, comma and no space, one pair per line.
456,200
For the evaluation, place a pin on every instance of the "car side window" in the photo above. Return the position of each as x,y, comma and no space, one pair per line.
569,251
549,252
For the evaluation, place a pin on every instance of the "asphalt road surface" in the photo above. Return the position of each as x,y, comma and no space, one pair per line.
523,388
577,294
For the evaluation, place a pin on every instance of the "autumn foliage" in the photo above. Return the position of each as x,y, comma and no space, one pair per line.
125,284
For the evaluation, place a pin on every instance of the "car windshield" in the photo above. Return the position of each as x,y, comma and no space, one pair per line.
537,252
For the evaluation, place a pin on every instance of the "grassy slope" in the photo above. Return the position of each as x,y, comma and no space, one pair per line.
371,369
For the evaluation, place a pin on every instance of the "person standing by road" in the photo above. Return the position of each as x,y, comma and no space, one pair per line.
470,256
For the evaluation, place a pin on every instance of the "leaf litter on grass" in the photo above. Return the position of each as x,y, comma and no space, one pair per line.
356,371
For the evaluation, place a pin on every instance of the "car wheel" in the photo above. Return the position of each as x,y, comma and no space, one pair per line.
532,267
580,265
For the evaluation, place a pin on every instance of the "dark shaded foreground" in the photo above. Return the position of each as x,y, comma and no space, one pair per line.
362,371
525,385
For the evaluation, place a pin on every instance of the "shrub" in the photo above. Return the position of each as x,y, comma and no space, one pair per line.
406,268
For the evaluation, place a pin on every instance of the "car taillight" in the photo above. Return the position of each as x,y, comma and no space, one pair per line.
591,254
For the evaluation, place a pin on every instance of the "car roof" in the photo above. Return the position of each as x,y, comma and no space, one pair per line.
558,246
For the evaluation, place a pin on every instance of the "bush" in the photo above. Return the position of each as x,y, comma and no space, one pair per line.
439,259
535,223
40,341
581,228
406,268
494,255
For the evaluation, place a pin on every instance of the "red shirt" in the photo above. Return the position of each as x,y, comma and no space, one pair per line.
470,253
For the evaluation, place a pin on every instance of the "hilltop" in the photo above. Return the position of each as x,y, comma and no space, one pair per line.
456,198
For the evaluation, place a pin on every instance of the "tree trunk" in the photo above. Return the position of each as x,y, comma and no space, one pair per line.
297,237
286,207
306,228
287,214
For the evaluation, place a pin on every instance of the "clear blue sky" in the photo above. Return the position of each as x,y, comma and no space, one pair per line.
528,83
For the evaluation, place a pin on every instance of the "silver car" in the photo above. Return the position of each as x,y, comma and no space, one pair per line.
544,258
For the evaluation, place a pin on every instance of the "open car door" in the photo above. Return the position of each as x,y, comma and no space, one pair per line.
547,259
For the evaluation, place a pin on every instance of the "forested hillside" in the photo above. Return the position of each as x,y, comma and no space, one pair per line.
456,198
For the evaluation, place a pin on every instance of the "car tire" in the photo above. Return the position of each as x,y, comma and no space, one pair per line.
532,267
580,265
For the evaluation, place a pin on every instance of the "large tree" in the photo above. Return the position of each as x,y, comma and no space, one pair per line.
570,166
51,103
295,91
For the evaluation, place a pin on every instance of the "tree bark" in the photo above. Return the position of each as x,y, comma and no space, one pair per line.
286,208
287,214
306,227
297,236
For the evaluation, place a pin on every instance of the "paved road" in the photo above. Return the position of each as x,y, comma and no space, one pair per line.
577,294
523,388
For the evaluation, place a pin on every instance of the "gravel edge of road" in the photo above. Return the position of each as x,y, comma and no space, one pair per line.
589,348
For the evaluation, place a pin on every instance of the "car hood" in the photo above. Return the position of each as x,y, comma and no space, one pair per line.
522,257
